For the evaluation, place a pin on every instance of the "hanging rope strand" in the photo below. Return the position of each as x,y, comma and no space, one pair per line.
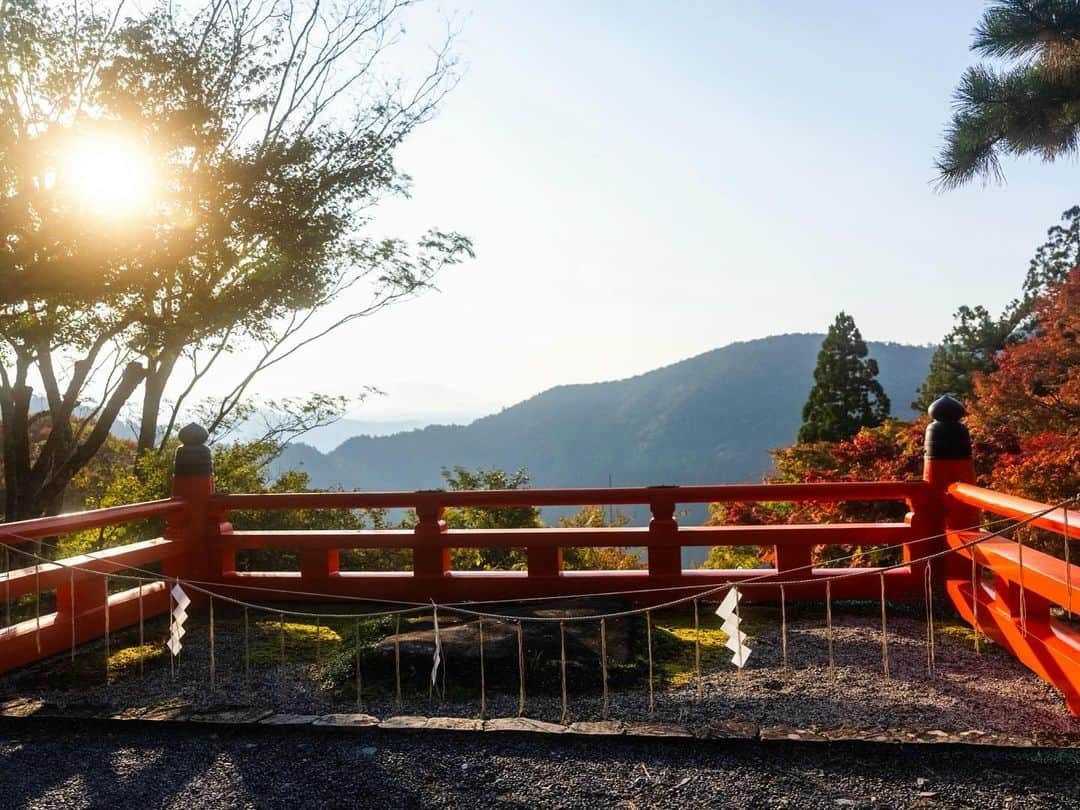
108,653
397,661
562,668
648,644
142,633
281,634
172,622
1023,595
213,661
783,628
359,680
975,602
37,603
603,665
884,633
929,596
829,627
71,607
7,586
697,652
521,670
1068,569
483,684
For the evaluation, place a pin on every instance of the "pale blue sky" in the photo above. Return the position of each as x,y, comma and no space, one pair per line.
648,181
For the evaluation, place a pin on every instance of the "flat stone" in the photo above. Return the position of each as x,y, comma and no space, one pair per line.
732,730
246,715
526,724
131,713
404,721
346,720
606,728
1055,740
790,733
455,723
21,707
289,719
656,730
166,711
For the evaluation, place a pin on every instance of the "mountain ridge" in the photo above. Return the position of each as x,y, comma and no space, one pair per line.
708,418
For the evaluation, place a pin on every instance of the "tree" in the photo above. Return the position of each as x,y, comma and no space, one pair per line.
970,347
512,517
846,395
1035,388
606,558
1029,106
263,134
973,344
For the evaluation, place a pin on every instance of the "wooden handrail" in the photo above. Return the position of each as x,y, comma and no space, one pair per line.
1011,506
826,492
812,534
20,530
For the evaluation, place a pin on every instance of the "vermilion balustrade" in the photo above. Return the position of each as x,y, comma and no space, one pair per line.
200,545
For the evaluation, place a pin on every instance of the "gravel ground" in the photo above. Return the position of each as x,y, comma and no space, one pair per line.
76,764
989,691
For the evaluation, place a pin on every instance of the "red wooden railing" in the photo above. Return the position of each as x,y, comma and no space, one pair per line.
432,577
1014,607
199,545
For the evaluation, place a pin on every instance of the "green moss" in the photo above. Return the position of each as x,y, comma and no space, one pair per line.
674,641
306,642
126,661
960,632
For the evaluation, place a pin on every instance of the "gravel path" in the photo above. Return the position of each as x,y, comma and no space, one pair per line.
76,764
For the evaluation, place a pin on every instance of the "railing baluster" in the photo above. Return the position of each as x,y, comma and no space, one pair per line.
430,557
665,555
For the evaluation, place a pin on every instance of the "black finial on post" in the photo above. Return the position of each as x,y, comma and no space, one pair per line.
947,437
193,456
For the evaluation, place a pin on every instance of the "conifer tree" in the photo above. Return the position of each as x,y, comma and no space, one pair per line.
846,395
1026,107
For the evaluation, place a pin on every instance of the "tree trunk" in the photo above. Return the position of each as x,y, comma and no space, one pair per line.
157,377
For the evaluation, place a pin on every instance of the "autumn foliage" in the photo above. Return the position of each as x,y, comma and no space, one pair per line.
1024,418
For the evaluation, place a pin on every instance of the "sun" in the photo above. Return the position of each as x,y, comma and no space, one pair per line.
109,175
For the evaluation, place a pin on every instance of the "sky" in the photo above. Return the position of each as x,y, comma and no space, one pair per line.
647,181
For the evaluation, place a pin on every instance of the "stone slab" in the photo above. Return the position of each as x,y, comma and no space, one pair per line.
245,715
603,728
289,719
352,720
21,707
404,722
526,724
791,733
656,730
455,724
732,730
166,711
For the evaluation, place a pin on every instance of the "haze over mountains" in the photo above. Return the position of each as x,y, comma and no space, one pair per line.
711,418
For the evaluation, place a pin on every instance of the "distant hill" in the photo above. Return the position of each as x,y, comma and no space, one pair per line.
712,418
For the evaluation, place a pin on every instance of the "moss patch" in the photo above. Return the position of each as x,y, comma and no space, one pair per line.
309,642
126,661
673,644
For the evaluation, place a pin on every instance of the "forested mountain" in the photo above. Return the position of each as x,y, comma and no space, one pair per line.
711,418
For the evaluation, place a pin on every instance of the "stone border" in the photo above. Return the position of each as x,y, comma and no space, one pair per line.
182,713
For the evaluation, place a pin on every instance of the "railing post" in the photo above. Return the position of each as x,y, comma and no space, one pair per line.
947,460
665,555
430,557
193,481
